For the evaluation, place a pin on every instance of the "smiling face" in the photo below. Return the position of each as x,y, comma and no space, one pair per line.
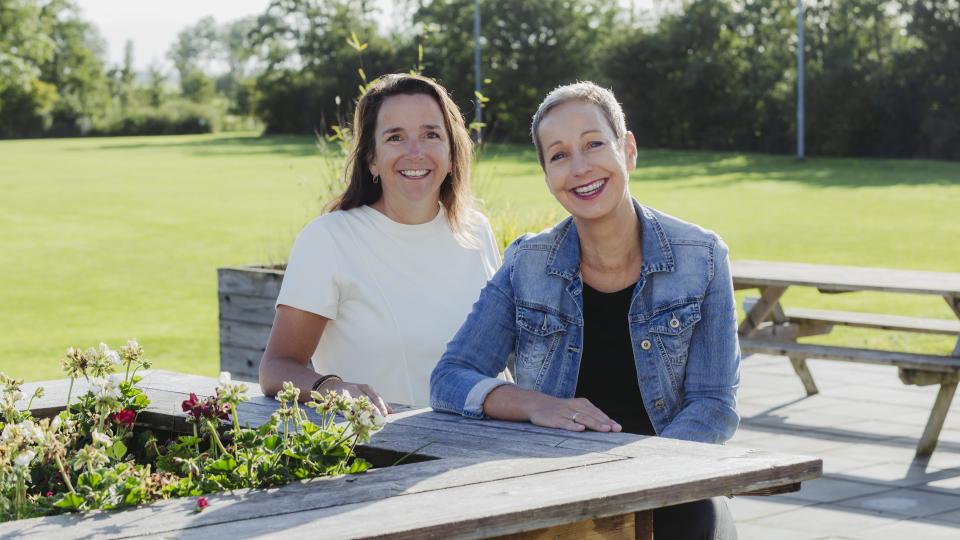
412,153
586,167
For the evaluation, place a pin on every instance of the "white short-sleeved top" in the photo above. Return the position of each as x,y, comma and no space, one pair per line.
395,294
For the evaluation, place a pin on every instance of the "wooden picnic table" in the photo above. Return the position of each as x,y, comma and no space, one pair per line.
475,479
769,328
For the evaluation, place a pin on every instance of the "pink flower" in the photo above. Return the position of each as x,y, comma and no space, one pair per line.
126,417
202,503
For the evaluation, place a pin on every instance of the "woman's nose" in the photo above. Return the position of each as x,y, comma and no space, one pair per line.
579,163
414,149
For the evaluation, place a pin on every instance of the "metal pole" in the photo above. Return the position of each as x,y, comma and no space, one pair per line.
801,113
478,110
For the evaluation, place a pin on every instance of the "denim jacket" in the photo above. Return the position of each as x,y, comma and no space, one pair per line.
682,324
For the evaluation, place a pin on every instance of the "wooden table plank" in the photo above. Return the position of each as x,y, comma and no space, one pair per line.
879,321
843,278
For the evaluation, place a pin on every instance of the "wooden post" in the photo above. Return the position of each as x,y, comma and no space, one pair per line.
931,433
644,525
799,364
769,300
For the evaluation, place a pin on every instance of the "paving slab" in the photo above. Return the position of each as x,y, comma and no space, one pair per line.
865,425
824,520
909,503
909,530
829,489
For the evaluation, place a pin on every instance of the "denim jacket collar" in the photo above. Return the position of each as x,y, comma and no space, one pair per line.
564,258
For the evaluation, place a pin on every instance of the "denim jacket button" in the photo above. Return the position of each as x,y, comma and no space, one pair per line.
674,323
658,404
645,344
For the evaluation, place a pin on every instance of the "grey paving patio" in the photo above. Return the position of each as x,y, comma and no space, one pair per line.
864,424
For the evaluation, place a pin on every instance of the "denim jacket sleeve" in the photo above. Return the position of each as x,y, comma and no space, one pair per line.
708,412
467,371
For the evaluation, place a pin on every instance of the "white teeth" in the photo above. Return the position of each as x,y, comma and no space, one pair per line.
415,173
589,188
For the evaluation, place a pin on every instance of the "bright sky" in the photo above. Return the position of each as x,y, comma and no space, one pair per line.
153,25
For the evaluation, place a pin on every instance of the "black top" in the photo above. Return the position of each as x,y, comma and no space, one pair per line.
608,374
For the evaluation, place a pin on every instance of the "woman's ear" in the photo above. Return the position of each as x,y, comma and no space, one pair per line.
630,150
372,164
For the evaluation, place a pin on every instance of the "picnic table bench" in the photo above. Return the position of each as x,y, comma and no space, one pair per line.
475,479
769,328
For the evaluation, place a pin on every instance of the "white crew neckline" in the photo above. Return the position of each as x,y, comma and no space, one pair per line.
396,227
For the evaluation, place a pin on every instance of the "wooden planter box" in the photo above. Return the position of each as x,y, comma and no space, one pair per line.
475,479
247,295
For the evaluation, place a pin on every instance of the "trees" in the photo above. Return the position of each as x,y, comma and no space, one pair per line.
528,48
309,63
883,75
26,100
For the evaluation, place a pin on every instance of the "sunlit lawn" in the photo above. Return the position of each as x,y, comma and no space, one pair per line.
107,239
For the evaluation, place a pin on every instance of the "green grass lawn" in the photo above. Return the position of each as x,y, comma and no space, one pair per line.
112,238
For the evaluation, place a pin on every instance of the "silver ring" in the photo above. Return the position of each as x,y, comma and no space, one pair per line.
574,417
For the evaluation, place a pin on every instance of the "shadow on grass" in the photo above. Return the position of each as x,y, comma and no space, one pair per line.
230,145
689,168
717,169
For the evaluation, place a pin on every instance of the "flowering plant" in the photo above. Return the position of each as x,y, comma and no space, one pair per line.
81,459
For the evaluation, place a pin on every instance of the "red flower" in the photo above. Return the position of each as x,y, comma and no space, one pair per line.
189,404
126,417
49,494
209,408
202,503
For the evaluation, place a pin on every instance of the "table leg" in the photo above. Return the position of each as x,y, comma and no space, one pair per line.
931,433
644,525
768,306
769,300
799,364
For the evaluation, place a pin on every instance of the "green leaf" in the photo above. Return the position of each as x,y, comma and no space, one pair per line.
117,451
187,440
70,501
224,464
271,442
359,465
89,479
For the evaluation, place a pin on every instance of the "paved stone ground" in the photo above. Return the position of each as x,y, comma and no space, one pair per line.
865,425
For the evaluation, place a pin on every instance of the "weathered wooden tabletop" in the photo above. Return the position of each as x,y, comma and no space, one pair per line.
489,478
749,274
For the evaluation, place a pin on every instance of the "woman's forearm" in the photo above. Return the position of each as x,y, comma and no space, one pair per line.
274,371
509,402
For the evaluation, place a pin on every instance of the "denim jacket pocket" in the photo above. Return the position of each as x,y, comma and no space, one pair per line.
672,328
538,338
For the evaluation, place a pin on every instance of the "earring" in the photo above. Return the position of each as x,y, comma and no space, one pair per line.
376,179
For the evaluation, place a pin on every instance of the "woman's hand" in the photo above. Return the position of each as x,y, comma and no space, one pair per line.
356,390
575,414
510,402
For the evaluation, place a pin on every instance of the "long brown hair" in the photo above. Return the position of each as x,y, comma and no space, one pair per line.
361,189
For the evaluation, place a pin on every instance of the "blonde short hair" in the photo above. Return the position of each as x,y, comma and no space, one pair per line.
580,91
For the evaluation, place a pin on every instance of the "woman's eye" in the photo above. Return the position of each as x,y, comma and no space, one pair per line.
557,156
393,138
433,135
594,144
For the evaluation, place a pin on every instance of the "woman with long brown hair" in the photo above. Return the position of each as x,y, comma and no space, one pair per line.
375,288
